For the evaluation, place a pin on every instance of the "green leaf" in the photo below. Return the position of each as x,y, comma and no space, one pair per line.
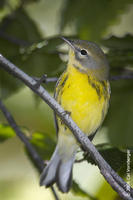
41,58
119,119
16,31
2,3
120,116
114,156
119,43
78,191
120,59
120,51
6,132
22,44
44,144
90,18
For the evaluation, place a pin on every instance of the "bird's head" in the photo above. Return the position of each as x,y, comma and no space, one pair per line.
88,58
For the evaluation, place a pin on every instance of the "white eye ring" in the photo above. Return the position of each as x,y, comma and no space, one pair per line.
83,52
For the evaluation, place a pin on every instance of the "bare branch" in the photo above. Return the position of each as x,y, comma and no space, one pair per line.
117,183
38,161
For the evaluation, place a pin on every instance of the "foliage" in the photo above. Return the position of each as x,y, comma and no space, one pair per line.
83,16
6,132
117,158
44,144
120,51
22,42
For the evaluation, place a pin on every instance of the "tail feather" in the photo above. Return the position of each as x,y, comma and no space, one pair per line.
64,175
59,170
48,176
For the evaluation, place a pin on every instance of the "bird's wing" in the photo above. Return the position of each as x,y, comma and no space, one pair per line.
56,124
59,84
55,118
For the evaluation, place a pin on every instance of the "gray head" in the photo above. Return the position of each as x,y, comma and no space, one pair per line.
88,58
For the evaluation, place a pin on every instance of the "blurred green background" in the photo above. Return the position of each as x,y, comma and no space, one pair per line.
29,37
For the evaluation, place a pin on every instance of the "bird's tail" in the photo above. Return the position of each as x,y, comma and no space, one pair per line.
59,169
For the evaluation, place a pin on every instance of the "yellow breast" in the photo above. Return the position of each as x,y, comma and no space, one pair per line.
85,98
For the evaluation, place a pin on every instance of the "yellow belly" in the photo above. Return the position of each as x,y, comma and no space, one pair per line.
86,103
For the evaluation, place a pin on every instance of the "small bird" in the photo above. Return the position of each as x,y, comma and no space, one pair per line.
83,90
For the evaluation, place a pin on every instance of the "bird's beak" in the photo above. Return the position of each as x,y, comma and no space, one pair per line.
69,42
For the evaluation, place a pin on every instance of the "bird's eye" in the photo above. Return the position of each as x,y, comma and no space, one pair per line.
83,52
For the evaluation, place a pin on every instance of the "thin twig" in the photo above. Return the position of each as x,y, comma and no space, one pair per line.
35,156
54,193
45,79
39,162
104,167
54,79
14,40
121,77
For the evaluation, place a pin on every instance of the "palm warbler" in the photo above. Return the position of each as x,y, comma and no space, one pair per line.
82,90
